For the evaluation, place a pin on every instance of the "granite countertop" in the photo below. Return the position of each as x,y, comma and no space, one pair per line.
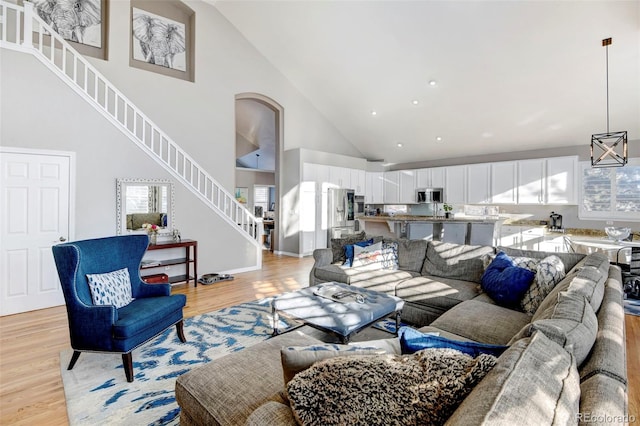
415,218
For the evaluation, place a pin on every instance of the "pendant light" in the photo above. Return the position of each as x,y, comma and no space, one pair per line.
603,145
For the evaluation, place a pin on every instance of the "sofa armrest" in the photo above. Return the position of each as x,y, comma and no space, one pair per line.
272,413
322,257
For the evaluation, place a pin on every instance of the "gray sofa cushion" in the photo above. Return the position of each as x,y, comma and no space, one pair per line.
482,322
535,382
456,261
411,254
602,398
434,291
571,323
378,279
227,391
569,259
272,413
607,357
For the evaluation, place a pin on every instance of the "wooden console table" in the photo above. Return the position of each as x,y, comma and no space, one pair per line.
190,257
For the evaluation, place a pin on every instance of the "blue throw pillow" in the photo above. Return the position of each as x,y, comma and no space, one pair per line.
505,282
349,251
412,340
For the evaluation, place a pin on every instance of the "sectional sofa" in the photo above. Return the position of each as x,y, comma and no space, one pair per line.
565,362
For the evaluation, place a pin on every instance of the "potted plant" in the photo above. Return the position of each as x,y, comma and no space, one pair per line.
447,210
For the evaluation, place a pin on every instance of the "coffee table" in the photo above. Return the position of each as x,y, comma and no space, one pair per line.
343,317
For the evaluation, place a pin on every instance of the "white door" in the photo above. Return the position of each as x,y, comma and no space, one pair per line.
35,190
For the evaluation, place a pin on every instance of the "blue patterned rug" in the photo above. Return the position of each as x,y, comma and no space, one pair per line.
632,306
97,391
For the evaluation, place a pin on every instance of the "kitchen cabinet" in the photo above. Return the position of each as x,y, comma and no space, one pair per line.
560,183
531,174
438,177
374,193
392,187
455,185
478,184
430,178
407,193
340,177
503,182
423,178
358,181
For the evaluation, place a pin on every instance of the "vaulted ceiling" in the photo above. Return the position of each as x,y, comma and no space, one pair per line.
507,75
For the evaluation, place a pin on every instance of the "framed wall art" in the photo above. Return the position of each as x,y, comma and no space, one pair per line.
84,23
162,38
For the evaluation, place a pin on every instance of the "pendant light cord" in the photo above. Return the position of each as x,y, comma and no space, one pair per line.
607,56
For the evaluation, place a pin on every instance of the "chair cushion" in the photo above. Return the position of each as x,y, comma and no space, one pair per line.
111,288
143,315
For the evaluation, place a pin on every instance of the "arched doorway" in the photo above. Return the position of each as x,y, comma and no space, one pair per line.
259,148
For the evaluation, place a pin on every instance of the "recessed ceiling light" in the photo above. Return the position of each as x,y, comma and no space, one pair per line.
399,144
374,113
439,139
415,102
432,83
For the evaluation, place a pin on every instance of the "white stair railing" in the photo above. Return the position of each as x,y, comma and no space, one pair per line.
23,30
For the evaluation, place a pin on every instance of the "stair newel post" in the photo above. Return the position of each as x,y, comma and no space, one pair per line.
27,38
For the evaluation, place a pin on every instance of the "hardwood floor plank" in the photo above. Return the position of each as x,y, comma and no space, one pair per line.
31,391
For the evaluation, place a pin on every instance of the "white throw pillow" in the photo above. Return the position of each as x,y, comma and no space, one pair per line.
369,257
549,272
112,288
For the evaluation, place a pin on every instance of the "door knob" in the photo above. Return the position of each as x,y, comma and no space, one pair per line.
63,239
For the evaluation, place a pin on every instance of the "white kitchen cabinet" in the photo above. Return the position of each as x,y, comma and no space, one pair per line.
392,187
340,177
531,174
375,188
509,236
454,186
560,184
503,182
358,181
553,243
478,184
531,237
438,177
407,193
423,178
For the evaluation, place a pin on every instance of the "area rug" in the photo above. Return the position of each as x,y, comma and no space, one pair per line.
632,307
97,391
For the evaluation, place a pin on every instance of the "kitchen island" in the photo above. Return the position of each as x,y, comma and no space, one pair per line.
461,230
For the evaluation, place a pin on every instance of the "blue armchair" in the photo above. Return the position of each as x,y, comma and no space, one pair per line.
105,328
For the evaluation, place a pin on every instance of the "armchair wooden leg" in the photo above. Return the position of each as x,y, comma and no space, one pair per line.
127,361
180,331
74,358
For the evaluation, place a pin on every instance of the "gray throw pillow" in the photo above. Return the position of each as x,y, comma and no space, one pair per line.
337,245
457,261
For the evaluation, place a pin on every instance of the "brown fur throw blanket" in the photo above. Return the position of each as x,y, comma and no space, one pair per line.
424,388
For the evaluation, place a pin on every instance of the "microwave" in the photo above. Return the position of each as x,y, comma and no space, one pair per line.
430,195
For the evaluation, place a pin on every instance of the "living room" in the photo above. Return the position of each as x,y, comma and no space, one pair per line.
41,113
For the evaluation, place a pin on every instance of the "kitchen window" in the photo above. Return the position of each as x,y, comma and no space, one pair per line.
610,193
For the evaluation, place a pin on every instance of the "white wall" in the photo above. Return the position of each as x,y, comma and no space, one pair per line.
39,111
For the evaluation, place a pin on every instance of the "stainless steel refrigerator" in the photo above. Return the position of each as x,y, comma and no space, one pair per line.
341,213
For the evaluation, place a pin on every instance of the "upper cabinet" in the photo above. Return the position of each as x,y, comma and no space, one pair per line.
358,181
478,183
504,176
531,182
430,178
407,193
561,185
455,185
392,187
375,188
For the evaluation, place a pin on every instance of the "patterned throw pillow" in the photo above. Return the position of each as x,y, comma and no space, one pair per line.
112,288
389,255
369,257
549,272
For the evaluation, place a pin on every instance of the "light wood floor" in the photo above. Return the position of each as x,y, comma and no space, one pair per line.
31,390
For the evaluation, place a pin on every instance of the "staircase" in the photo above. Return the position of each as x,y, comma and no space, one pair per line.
72,68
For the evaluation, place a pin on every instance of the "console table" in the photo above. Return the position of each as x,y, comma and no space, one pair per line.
190,257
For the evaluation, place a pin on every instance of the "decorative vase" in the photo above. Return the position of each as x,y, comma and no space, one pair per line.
153,238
